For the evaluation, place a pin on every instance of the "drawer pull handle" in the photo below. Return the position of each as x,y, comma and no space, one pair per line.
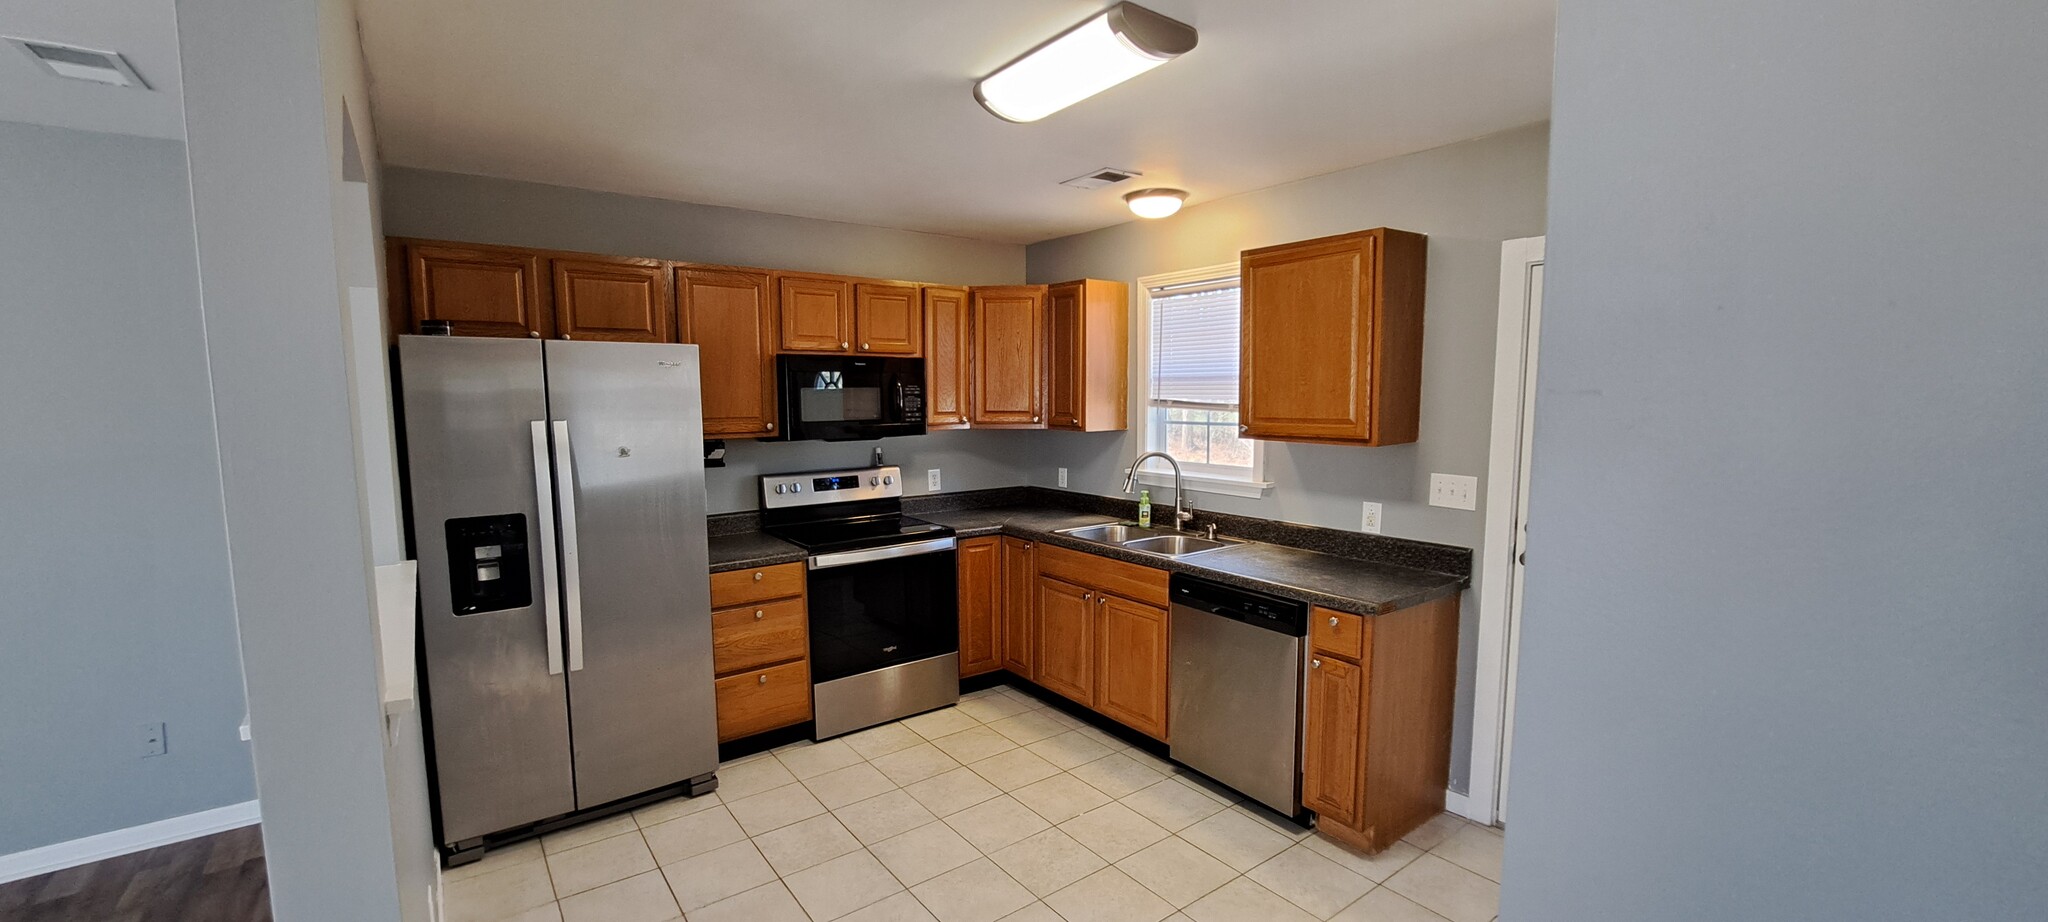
1333,620
758,614
1315,664
763,680
757,576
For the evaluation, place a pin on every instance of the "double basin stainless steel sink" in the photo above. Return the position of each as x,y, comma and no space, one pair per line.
1162,542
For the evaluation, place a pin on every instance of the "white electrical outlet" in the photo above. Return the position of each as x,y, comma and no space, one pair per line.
153,740
1063,477
1454,491
1370,524
931,480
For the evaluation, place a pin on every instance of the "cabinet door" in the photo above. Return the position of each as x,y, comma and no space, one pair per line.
1307,341
1131,680
1020,596
945,358
1066,639
730,317
480,291
1065,383
888,319
1331,730
817,314
613,300
1008,364
981,597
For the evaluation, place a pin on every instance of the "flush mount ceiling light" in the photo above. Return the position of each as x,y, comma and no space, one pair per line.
1117,44
1155,203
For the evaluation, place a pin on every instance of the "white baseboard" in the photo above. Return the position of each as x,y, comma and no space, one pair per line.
1464,806
124,841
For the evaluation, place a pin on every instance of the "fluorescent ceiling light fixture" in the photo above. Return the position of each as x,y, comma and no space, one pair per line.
106,67
1155,203
1117,44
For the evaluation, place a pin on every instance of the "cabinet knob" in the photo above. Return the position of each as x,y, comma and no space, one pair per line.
1241,427
1034,419
1333,620
864,345
758,614
763,680
1315,664
533,333
771,427
1087,597
757,575
845,345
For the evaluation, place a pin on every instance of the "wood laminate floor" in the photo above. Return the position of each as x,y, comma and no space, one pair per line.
218,878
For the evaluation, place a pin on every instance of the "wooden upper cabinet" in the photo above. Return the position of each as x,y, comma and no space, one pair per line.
1131,677
817,313
887,319
981,599
945,357
1088,380
730,316
1066,639
1007,360
613,300
1020,589
1332,339
480,291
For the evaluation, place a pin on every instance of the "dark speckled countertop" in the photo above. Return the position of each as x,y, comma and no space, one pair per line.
1346,571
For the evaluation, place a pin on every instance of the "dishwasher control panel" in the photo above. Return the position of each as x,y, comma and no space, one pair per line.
1273,613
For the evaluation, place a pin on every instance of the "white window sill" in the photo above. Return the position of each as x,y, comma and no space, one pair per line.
1206,483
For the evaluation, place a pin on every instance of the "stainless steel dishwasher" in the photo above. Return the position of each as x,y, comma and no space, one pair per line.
1234,688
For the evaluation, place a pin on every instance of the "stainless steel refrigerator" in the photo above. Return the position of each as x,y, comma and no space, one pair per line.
557,512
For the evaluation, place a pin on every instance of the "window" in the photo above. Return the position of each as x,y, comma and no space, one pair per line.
1191,384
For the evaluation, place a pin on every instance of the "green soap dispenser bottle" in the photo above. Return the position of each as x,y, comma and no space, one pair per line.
1144,508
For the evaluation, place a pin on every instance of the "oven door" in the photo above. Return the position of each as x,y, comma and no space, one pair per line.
841,398
882,607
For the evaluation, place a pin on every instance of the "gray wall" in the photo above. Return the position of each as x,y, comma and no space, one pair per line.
450,206
114,555
1468,198
1785,653
478,209
265,83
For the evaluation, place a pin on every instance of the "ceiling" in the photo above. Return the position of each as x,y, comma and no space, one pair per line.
143,31
863,111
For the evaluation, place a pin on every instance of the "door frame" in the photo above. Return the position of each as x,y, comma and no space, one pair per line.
1514,370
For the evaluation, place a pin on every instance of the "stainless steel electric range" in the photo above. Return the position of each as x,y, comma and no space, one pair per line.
882,595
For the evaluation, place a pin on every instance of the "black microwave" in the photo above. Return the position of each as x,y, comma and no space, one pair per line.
841,398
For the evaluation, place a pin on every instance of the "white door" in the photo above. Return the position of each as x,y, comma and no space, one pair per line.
1507,512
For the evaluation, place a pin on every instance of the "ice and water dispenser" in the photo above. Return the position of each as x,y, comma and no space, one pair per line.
487,564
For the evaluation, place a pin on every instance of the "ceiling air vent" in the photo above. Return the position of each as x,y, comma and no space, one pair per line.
80,63
1096,179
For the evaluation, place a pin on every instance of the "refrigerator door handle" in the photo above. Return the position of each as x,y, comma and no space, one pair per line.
550,576
572,578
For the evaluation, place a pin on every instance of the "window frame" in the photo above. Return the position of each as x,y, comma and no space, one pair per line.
1207,479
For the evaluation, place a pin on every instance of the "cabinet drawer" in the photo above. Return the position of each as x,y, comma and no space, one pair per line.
763,699
1134,582
752,636
1337,633
739,587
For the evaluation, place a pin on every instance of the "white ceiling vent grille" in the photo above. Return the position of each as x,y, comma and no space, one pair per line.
1096,179
80,63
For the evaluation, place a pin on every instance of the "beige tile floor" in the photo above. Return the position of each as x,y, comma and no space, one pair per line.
998,809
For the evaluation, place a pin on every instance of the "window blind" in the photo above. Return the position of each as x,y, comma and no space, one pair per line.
1195,344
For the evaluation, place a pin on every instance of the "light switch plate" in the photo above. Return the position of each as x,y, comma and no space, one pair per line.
1454,491
153,740
931,480
1370,523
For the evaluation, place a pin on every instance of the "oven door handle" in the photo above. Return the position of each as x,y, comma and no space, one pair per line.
849,558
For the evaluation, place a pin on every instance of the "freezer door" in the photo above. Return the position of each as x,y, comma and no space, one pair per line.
629,466
496,692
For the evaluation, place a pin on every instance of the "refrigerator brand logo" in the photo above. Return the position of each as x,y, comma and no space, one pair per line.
625,452
889,649
670,364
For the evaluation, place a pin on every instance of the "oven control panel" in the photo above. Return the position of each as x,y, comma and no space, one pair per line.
813,488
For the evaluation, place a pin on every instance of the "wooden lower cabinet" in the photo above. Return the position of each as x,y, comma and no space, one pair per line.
1019,593
760,650
1377,729
981,598
1066,639
1131,664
